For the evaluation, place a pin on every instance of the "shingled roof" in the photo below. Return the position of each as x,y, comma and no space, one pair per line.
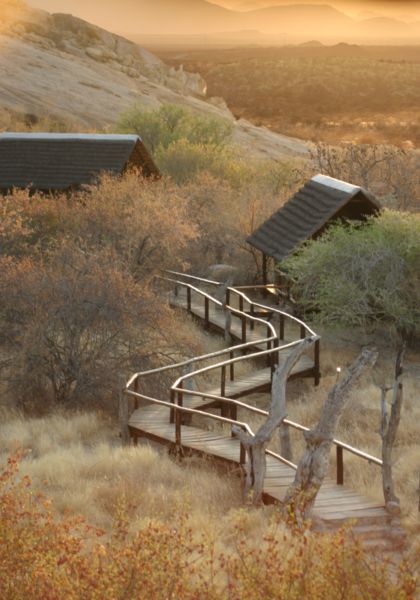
61,161
319,202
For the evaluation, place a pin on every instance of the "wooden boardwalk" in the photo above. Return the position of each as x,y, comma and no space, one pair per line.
184,422
335,504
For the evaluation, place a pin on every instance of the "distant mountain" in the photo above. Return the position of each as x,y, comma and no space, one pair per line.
299,19
291,22
311,44
385,27
149,16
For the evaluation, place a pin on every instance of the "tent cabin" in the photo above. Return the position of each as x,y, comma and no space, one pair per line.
58,162
319,203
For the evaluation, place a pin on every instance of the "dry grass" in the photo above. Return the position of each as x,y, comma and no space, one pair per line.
76,460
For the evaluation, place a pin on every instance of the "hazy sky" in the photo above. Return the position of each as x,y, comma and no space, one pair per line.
166,17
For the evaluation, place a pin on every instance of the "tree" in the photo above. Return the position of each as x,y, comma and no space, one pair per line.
256,445
364,275
313,466
388,172
70,326
161,127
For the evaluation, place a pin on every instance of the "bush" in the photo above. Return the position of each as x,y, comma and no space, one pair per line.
46,557
363,275
70,327
77,310
169,123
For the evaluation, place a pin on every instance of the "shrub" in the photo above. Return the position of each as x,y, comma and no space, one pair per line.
46,557
71,326
170,123
363,275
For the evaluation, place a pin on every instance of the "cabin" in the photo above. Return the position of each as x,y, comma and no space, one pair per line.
320,202
59,162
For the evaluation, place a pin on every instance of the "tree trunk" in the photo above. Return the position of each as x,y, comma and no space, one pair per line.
285,442
255,446
389,428
314,463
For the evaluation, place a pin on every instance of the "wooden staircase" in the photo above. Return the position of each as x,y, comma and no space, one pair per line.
186,424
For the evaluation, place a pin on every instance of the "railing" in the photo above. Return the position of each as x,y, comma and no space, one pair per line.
229,406
248,312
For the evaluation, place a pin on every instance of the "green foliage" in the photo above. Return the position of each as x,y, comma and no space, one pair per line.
170,123
363,275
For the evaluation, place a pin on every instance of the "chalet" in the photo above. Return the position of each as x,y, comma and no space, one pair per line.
50,162
319,203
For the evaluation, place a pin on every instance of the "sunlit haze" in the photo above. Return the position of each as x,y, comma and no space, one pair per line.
371,21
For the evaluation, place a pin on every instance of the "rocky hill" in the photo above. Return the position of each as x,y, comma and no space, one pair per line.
58,65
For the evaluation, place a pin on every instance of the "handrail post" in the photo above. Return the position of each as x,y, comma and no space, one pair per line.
232,366
206,312
268,348
177,427
317,352
178,417
241,303
281,328
340,466
172,411
243,333
302,332
223,381
189,299
136,389
227,297
252,314
242,454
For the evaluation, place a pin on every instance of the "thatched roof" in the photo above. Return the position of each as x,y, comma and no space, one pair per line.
61,161
317,204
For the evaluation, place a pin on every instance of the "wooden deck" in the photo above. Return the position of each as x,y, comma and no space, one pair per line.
334,504
208,434
259,380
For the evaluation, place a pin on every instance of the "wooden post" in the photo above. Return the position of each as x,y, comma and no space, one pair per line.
228,325
232,365
281,328
178,427
189,299
206,312
123,409
340,465
317,365
178,419
252,314
264,269
223,381
172,411
136,389
243,333
302,332
269,348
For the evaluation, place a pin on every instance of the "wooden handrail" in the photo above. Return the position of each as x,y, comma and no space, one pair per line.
177,389
202,413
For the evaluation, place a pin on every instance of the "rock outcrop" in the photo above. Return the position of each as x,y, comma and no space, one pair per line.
60,66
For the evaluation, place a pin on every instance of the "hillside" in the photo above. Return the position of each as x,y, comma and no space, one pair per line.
63,67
